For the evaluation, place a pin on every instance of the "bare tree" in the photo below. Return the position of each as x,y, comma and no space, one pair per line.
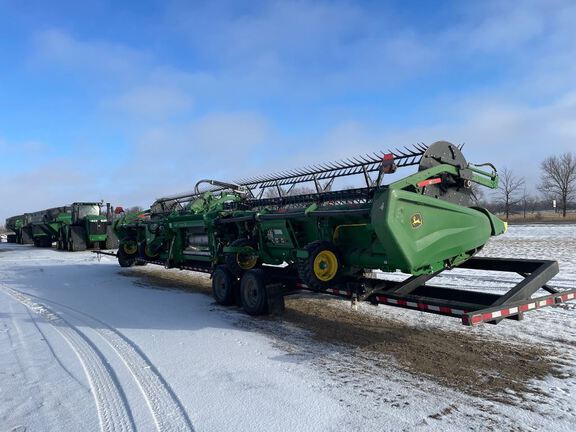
477,194
526,201
509,190
559,178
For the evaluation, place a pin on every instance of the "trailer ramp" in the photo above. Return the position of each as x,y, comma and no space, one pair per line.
472,307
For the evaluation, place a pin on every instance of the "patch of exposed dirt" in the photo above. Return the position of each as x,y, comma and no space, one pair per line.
475,365
464,361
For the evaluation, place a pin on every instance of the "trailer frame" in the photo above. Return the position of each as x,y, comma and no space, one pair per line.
472,307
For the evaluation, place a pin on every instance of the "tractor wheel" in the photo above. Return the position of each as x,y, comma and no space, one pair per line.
238,263
124,259
26,238
322,267
224,286
111,239
77,240
253,293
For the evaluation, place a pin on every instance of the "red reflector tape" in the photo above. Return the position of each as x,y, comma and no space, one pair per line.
429,182
420,306
536,304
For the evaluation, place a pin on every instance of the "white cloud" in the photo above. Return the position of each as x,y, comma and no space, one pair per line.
151,101
59,48
181,125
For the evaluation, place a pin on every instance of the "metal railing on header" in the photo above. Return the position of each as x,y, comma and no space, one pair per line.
322,175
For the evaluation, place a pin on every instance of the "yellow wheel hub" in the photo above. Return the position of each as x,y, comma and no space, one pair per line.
325,265
247,261
130,248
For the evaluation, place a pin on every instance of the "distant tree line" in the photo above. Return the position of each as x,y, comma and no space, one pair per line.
557,183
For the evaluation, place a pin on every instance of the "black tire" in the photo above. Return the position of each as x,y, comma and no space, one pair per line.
111,239
124,259
77,240
233,260
253,292
306,266
26,237
224,285
144,252
63,240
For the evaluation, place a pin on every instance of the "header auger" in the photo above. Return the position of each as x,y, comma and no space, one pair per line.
263,237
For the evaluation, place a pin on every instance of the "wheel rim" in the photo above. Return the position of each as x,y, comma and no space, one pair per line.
130,248
251,293
247,261
220,285
325,265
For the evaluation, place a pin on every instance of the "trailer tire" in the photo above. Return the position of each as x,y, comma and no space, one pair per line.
238,264
322,267
124,259
253,292
224,285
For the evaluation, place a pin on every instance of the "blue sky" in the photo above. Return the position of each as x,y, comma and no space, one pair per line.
128,101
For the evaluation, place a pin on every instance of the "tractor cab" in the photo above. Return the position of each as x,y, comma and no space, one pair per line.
90,216
85,211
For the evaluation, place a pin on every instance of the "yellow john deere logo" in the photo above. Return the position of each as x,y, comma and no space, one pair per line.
416,220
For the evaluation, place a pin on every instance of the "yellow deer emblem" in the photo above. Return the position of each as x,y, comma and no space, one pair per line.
416,220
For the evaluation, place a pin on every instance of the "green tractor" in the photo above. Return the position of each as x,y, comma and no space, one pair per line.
15,224
79,226
86,226
259,240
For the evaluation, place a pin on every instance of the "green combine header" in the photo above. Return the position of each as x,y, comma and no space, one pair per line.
260,240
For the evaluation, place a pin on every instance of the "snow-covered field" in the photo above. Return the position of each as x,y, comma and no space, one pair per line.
86,345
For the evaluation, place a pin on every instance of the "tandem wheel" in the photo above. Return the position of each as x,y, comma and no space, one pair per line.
224,285
253,292
127,253
238,262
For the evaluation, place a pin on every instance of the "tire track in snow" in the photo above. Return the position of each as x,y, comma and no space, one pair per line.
166,409
113,412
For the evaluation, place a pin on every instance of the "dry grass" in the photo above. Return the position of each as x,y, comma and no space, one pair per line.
541,217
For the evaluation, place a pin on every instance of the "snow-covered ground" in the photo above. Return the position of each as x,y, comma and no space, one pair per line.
86,345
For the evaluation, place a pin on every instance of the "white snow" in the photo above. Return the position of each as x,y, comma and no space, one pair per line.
83,347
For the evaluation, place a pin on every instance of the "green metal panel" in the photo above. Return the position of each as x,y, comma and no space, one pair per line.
422,234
